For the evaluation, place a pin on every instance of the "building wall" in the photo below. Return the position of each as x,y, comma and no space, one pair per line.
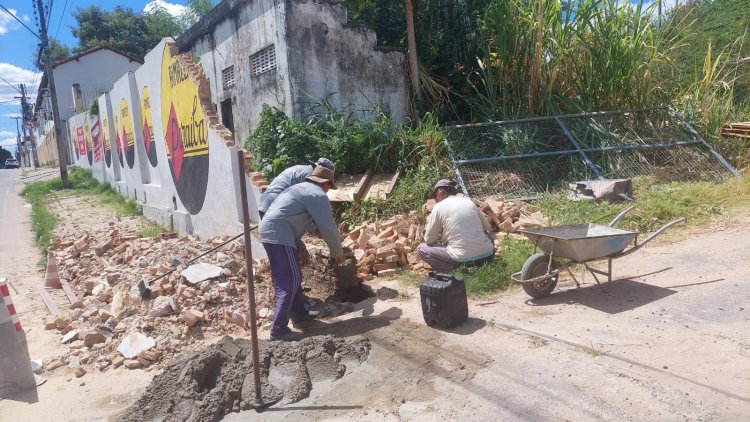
330,58
245,30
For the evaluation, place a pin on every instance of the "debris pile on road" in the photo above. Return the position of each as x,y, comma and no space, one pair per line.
120,318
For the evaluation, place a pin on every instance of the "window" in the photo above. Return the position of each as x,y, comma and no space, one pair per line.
263,61
227,75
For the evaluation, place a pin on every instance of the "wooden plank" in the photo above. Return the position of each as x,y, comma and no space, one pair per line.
72,298
47,300
393,183
363,184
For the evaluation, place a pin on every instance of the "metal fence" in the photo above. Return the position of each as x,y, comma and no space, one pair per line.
523,158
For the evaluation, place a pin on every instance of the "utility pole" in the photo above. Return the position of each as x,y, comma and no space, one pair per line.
18,141
27,118
61,150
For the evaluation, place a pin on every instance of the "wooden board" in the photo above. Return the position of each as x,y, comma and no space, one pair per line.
72,298
47,300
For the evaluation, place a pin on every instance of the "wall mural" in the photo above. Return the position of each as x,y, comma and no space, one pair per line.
96,133
80,142
147,126
185,132
118,141
105,139
87,135
128,136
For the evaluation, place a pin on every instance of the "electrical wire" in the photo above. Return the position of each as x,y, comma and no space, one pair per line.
61,18
20,21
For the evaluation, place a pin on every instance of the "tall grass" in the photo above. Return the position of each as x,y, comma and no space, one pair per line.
550,56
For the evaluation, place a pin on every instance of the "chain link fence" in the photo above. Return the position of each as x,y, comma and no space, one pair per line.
523,158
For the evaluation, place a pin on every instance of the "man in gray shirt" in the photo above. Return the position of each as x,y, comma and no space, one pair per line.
287,178
281,230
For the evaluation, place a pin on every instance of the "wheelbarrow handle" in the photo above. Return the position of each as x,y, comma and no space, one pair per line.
622,214
651,237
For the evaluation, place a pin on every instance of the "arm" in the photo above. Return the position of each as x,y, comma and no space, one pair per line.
434,229
320,211
485,224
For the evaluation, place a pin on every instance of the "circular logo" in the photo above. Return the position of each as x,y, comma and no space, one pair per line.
147,127
118,141
105,140
74,138
127,137
185,132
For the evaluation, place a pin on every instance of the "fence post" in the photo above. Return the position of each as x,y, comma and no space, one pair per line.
583,155
455,168
695,133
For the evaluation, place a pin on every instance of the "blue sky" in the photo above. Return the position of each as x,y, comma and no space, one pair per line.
17,46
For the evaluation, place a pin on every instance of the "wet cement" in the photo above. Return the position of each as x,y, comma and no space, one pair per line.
219,379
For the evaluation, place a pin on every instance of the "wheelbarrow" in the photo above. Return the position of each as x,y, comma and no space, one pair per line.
576,244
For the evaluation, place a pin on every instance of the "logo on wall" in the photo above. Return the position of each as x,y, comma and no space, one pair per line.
118,142
87,135
81,140
96,133
76,143
185,132
147,126
128,138
105,140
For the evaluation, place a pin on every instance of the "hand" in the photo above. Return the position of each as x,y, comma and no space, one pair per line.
341,260
304,258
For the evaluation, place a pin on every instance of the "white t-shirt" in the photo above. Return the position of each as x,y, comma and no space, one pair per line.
459,224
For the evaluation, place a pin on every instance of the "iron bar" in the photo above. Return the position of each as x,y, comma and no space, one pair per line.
459,176
574,141
562,116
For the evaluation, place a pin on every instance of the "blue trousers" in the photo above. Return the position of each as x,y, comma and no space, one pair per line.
287,283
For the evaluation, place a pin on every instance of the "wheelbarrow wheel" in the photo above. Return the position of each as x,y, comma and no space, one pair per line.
536,266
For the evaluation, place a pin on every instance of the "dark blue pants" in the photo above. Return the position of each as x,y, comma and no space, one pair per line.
287,283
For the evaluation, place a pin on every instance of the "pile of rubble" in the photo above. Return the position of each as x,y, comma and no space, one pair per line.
120,318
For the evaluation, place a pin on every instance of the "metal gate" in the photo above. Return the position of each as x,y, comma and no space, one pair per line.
523,158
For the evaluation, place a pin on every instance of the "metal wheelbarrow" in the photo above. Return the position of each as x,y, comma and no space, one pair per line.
576,244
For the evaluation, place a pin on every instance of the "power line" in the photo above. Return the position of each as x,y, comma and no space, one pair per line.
61,18
11,85
20,21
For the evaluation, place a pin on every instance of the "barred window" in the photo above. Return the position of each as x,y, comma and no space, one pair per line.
227,75
263,61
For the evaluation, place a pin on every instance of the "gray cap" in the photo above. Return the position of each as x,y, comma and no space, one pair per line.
445,184
322,161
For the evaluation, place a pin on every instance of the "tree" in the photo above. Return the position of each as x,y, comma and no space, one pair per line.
4,155
58,52
196,9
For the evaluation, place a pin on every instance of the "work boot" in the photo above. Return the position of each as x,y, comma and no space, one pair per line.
309,317
288,336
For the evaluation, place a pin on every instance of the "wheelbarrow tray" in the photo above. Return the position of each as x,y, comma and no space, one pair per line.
580,242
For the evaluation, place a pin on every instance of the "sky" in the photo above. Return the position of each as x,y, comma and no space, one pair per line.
17,46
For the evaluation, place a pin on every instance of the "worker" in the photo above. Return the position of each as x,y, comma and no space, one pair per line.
457,232
287,178
281,230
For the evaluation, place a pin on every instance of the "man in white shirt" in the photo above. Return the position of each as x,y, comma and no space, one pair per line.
457,232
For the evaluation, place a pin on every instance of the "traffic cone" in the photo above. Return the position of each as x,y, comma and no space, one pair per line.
52,279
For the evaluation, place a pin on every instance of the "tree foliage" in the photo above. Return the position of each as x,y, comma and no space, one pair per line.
4,155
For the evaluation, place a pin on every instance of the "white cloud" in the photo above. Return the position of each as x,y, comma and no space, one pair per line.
26,18
9,143
7,23
17,75
171,8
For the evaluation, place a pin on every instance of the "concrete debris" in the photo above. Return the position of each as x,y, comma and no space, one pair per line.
194,274
70,336
135,343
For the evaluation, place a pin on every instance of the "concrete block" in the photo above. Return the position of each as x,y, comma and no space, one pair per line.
183,222
160,215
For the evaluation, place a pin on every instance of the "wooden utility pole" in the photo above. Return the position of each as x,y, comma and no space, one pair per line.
61,150
27,118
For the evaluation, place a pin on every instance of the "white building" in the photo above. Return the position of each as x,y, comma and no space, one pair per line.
92,73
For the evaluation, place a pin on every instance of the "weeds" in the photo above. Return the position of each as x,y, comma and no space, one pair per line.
495,277
151,229
537,342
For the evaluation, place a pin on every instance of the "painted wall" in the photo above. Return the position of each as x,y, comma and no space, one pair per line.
167,148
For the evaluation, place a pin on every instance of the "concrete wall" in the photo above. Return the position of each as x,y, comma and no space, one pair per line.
186,175
319,55
333,59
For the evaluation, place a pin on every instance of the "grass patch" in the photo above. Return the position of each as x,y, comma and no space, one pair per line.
151,229
495,277
43,221
656,204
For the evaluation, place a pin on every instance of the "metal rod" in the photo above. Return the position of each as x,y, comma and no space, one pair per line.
562,116
621,214
649,238
573,151
574,141
250,282
459,176
713,152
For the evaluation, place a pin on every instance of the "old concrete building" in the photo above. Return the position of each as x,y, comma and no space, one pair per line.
290,54
79,80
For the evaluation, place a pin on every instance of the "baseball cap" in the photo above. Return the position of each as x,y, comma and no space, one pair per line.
443,183
322,161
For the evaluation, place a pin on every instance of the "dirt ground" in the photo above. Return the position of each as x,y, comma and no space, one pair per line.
669,339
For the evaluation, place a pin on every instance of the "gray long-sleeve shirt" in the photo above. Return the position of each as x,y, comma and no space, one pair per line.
292,176
294,211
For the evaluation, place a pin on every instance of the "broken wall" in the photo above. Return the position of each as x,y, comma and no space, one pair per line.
167,149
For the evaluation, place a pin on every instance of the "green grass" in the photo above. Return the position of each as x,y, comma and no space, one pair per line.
39,192
656,204
151,229
495,277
